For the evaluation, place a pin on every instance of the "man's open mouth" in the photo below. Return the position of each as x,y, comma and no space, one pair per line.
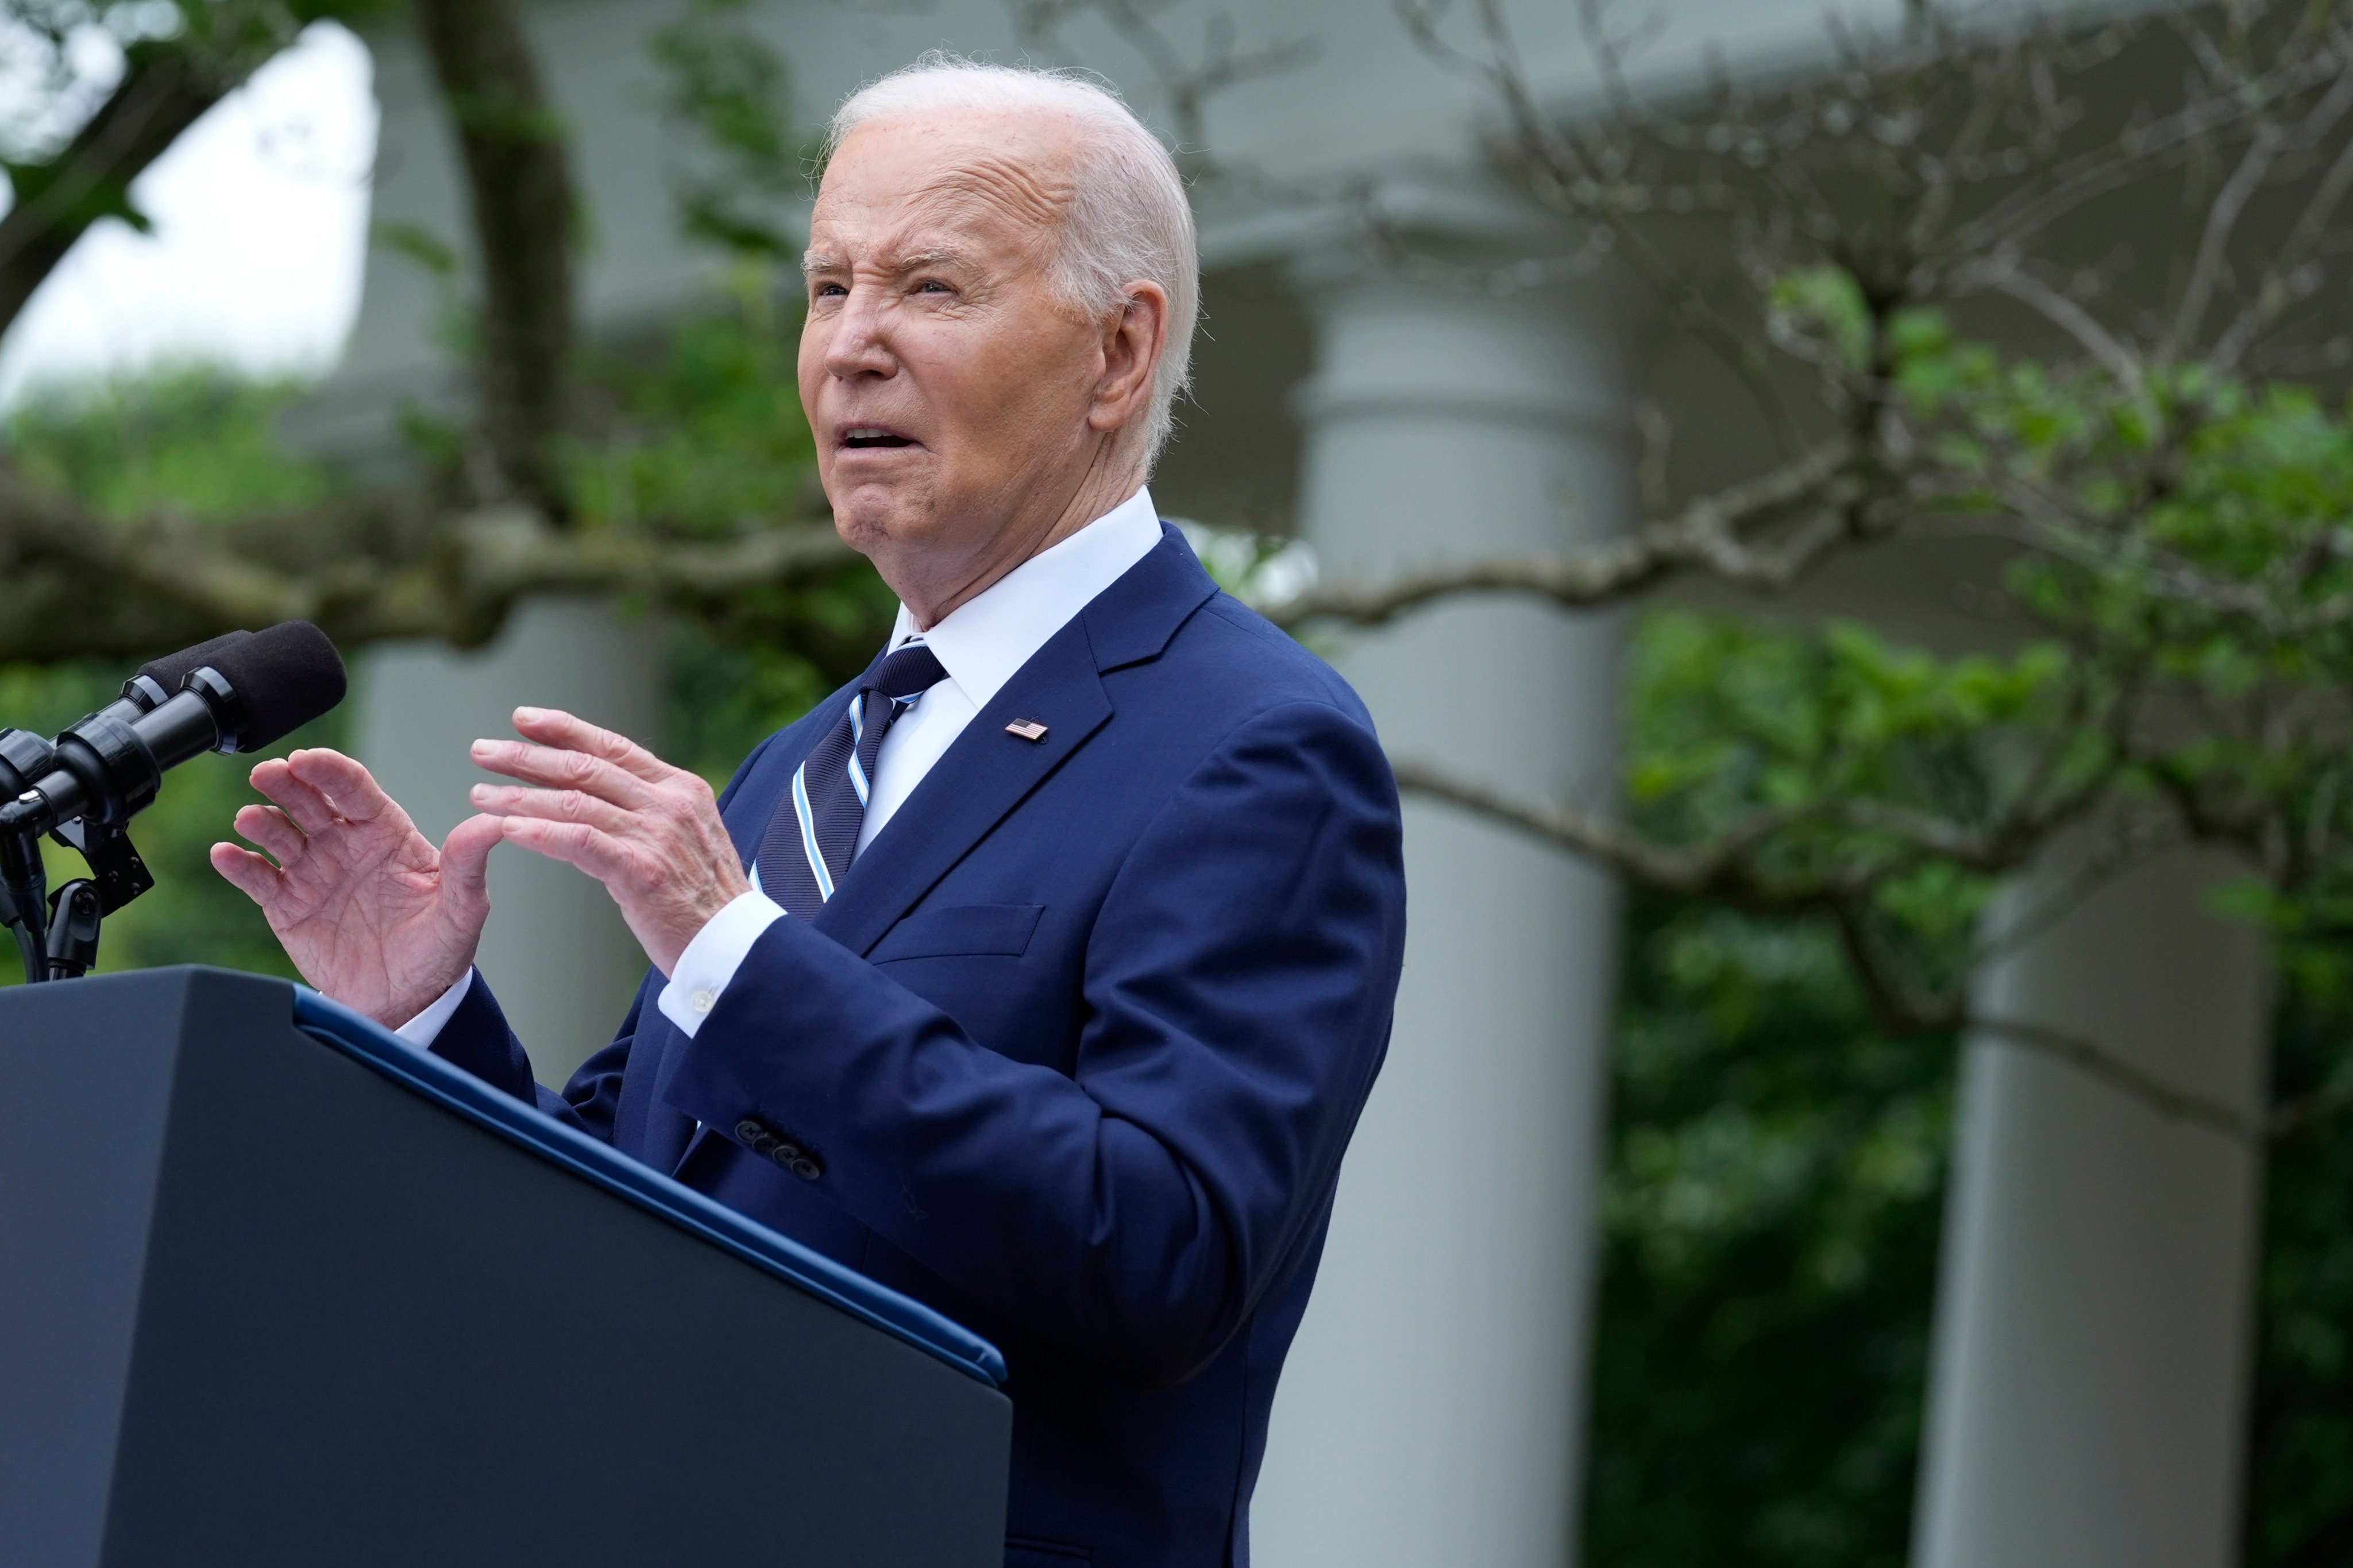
862,437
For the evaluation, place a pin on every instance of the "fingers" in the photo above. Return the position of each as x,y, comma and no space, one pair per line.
598,853
351,788
466,854
555,805
303,801
251,874
555,726
268,826
557,768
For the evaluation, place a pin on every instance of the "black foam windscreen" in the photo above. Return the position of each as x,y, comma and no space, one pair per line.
284,676
173,667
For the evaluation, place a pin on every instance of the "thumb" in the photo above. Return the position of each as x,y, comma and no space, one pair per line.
465,855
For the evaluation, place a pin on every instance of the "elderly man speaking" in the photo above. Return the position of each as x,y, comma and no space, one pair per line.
1042,971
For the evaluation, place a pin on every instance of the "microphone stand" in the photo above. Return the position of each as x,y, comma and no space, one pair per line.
24,881
56,934
24,902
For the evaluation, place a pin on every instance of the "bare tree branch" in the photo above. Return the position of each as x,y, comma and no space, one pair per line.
1711,534
364,569
1724,872
2168,1099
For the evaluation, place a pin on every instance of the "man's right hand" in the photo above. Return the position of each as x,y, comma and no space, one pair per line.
370,912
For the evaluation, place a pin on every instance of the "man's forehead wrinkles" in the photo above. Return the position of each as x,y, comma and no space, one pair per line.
1012,185
891,257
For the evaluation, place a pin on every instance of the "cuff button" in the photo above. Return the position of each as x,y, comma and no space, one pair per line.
702,1001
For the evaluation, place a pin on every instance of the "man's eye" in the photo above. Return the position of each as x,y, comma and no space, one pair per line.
824,289
932,286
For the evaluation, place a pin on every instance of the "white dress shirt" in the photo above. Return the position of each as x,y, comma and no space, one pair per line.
981,644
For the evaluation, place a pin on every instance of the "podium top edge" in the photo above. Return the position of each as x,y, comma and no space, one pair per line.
458,1090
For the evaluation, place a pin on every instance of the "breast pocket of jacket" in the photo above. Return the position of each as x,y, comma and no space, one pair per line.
960,930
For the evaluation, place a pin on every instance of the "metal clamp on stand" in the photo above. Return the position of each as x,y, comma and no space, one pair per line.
72,946
57,935
120,876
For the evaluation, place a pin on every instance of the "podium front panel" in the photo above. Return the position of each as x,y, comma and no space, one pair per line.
277,1307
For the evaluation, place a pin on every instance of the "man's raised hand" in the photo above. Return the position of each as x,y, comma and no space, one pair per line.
370,912
650,832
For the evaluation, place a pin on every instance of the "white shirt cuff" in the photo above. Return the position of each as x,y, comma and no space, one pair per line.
710,960
425,1028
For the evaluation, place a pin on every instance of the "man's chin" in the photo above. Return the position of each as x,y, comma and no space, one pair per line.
874,524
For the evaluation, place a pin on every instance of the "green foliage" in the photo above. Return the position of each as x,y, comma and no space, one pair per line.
1839,754
2300,1481
2177,604
192,442
726,85
90,200
1768,1228
1769,1213
2187,543
704,436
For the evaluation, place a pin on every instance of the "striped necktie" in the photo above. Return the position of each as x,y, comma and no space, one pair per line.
806,850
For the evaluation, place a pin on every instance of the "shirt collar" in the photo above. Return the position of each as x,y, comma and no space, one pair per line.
983,641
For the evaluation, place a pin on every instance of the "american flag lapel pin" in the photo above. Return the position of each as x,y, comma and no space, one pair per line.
1027,728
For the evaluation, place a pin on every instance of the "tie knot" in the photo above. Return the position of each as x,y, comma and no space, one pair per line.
907,673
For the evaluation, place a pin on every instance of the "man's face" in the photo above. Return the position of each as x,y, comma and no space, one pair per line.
948,383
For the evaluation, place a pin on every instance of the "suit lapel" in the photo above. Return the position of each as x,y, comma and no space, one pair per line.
988,772
982,777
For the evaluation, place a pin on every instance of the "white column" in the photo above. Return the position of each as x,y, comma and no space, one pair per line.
555,951
2094,1322
1432,1410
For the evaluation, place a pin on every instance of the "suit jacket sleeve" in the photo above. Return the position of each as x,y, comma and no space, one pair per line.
479,1038
1238,977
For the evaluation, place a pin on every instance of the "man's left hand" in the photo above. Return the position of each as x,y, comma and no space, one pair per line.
650,832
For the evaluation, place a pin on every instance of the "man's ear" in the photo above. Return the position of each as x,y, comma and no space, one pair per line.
1133,343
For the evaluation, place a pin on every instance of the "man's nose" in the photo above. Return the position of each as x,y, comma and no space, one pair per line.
860,342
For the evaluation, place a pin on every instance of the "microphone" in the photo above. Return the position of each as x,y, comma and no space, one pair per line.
26,756
235,693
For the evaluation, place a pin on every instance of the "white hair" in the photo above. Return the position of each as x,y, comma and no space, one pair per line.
1128,220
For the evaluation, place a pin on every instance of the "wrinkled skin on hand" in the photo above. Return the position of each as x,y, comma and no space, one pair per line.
650,832
378,918
370,912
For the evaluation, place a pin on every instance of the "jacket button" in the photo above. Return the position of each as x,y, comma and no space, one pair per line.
753,1135
806,1169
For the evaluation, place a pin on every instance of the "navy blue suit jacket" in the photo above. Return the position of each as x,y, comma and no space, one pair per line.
1074,1049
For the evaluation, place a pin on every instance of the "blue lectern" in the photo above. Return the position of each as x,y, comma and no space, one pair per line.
277,1290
